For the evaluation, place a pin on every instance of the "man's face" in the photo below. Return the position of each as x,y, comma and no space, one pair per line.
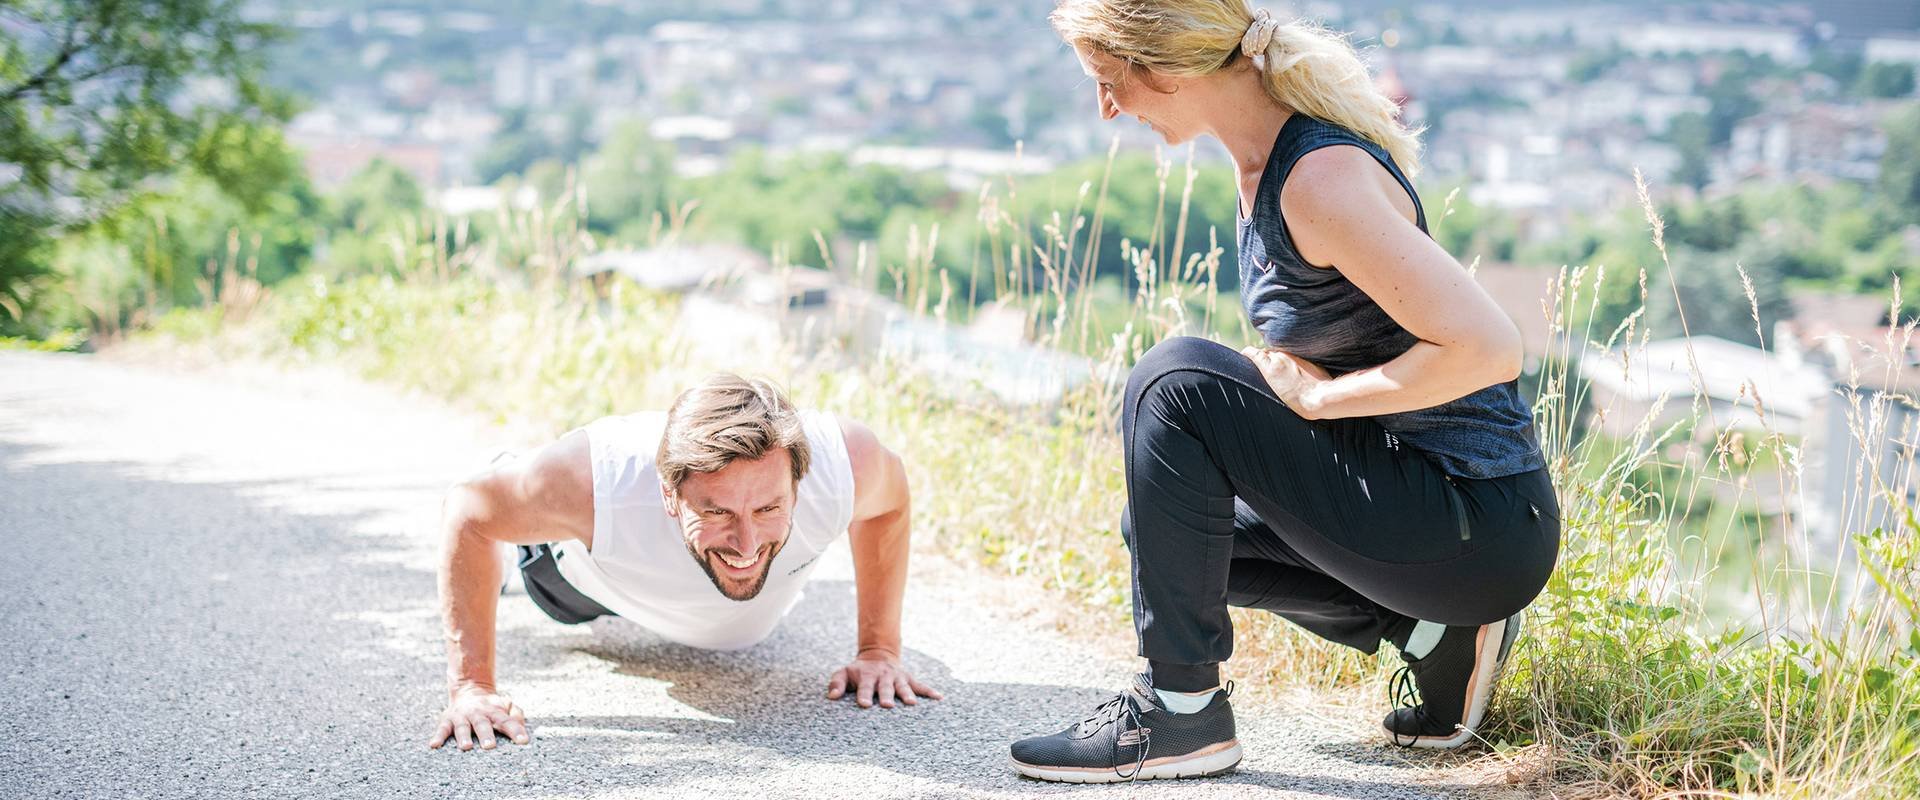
736,519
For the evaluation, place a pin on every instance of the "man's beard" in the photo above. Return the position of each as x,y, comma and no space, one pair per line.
753,589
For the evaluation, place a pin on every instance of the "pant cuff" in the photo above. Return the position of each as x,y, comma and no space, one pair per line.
1183,677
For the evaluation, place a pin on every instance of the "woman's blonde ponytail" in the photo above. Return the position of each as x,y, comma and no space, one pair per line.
1307,68
1314,71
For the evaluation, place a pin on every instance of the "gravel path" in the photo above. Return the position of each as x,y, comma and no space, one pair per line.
219,583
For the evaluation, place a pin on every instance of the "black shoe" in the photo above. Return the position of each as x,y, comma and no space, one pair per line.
1455,680
1132,737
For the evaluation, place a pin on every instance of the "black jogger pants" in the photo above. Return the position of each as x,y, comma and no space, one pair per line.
1234,499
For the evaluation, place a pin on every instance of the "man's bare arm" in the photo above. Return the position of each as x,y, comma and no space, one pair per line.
546,497
880,539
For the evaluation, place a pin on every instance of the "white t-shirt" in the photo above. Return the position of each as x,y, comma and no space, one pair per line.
639,567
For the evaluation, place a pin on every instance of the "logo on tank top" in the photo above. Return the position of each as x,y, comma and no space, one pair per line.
1393,442
803,564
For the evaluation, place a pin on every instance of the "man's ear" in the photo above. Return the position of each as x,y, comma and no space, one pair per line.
667,500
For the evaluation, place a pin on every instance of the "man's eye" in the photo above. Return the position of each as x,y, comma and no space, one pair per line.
769,509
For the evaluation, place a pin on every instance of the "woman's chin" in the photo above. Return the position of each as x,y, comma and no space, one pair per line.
1167,135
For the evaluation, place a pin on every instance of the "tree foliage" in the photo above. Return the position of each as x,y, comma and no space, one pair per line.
102,100
628,181
527,137
1729,99
778,203
98,95
1692,137
1883,80
1713,295
1843,237
1900,165
365,212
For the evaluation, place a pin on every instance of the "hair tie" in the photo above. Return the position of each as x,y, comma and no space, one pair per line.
1259,34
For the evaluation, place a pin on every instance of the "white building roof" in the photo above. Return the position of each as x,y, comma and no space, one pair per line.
676,268
1664,367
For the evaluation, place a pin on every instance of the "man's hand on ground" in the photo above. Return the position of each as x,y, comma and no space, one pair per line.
878,676
474,714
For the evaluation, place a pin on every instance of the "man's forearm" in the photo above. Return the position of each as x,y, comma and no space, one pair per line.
469,597
880,546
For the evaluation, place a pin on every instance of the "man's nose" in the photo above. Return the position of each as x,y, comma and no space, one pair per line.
737,538
1108,109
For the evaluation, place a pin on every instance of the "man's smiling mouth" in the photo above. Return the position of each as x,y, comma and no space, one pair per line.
746,562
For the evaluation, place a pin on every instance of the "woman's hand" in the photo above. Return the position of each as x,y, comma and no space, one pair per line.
1295,379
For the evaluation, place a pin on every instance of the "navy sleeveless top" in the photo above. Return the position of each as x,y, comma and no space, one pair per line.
1321,316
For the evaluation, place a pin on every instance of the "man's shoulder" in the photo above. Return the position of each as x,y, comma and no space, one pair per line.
558,478
878,474
859,442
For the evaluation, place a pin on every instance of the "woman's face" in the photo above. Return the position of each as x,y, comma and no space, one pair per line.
1153,99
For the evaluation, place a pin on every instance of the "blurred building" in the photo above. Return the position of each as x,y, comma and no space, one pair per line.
331,160
1863,19
1841,141
1783,44
1893,49
1839,386
1744,387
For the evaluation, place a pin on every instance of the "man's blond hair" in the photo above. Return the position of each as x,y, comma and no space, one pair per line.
727,417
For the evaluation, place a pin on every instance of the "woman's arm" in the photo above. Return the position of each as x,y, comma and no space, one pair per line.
1337,209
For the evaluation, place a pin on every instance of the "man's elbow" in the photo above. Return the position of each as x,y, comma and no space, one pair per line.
899,495
463,514
890,510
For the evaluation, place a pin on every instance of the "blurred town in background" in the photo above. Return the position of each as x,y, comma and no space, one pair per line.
1539,112
1541,109
875,139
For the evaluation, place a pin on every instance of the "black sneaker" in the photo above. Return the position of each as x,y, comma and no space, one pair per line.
1133,737
1455,679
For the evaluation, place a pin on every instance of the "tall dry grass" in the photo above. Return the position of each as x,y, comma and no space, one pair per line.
1630,680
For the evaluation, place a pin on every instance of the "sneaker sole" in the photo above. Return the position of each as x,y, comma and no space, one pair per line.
1218,759
1493,649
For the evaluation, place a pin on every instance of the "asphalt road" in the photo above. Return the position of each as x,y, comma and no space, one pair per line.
219,583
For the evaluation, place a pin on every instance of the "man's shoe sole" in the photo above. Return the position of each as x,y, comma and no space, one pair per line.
1479,688
1208,762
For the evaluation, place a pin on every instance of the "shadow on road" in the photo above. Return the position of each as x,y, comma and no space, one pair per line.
771,698
170,637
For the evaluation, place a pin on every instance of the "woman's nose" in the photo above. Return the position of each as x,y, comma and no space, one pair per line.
1108,108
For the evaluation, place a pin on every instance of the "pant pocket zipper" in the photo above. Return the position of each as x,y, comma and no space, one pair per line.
1460,511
